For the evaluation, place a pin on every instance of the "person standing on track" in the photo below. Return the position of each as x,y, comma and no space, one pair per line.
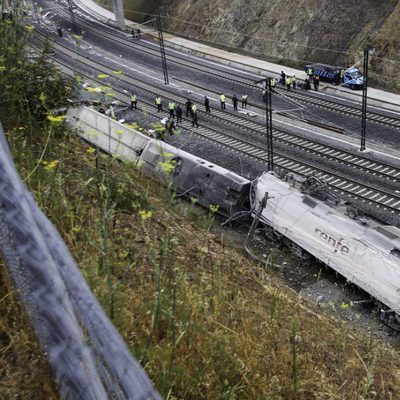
244,101
234,101
207,104
133,101
222,100
171,108
159,103
178,114
283,78
188,106
170,126
342,72
288,82
294,82
264,95
273,84
316,82
194,116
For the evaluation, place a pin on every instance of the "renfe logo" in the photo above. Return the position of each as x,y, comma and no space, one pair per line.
336,245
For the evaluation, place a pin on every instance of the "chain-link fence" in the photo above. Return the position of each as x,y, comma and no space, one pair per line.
88,357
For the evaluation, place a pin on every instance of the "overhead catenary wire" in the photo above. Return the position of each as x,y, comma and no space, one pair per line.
343,52
300,107
279,57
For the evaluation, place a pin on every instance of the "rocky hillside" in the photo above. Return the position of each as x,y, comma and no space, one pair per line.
290,32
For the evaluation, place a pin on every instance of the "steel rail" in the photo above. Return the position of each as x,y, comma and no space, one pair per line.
344,186
380,118
358,162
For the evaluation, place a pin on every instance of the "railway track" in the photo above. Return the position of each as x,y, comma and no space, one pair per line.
327,176
340,108
385,171
387,118
195,65
345,187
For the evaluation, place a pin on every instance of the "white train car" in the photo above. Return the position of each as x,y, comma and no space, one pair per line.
110,136
191,176
364,251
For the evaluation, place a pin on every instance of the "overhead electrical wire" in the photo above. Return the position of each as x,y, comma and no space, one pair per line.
251,36
279,57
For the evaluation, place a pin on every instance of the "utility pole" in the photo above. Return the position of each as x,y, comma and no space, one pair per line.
35,11
268,125
118,9
71,12
2,9
364,101
367,51
162,49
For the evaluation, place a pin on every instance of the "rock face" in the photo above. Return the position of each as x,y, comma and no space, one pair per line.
291,32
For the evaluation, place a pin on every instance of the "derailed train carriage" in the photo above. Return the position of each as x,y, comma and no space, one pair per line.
194,177
190,176
364,251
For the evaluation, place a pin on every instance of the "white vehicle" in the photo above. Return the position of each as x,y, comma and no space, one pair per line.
364,251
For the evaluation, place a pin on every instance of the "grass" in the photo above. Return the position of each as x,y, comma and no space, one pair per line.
24,372
205,321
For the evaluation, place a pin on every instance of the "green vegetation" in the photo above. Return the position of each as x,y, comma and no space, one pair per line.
204,320
29,85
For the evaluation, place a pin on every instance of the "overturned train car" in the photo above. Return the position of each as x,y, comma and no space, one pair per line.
209,184
190,176
364,251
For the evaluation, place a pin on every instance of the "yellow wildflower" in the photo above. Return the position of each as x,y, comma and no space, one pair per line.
345,306
42,97
145,214
167,166
213,208
94,90
56,119
51,165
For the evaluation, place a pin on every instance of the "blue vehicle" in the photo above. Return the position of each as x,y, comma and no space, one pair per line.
337,75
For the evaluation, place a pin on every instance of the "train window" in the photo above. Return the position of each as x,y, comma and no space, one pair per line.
178,162
309,202
395,252
233,196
